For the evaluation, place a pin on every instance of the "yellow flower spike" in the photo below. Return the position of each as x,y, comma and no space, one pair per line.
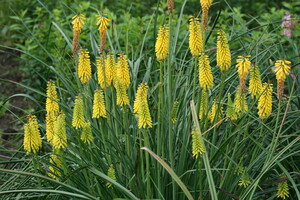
265,101
243,66
213,112
170,6
203,104
122,97
110,66
141,108
197,143
99,104
174,111
230,110
102,27
206,78
282,69
56,164
101,71
205,4
111,173
32,136
223,51
50,119
78,22
51,101
245,179
240,102
195,39
162,43
60,132
255,84
78,120
84,66
283,190
86,135
123,74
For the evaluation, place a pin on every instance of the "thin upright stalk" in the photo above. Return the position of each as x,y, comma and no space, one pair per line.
159,121
195,78
219,107
170,138
147,144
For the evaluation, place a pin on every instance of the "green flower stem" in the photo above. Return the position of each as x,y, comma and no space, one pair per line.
170,105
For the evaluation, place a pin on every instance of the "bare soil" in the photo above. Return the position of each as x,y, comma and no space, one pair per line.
11,127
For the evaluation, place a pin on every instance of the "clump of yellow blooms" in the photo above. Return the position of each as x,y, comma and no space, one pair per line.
283,190
195,39
50,119
223,51
265,101
78,22
102,24
56,164
213,112
111,174
51,101
52,110
32,135
122,97
84,66
101,71
243,66
230,110
78,120
203,104
205,5
123,74
60,132
99,104
122,80
282,69
86,135
110,66
162,43
141,108
240,101
197,143
206,78
255,84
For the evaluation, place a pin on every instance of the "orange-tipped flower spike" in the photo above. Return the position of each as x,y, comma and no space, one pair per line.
102,27
243,66
78,22
282,69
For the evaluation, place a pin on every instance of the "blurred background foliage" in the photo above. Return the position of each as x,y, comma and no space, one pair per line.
34,27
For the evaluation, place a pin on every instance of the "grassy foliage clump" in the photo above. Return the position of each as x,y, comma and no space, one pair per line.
189,110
